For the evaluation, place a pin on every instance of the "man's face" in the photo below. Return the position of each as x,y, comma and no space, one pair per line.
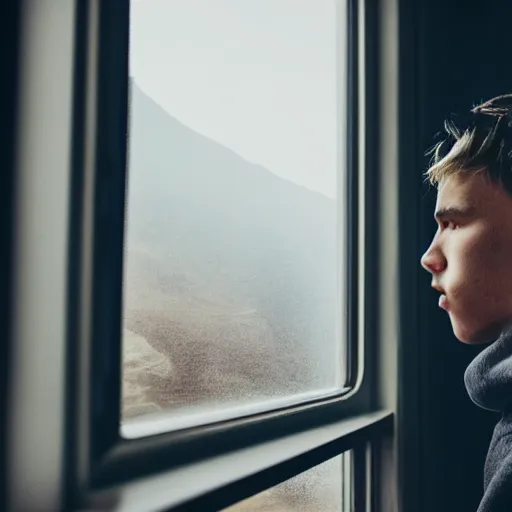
470,257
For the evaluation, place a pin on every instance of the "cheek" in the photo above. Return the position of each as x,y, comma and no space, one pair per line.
495,257
481,272
467,254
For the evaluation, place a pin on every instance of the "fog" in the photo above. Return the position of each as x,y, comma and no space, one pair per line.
257,76
232,271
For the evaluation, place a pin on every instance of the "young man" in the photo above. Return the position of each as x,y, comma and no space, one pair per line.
470,259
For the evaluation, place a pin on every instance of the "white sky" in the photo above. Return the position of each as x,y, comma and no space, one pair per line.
257,76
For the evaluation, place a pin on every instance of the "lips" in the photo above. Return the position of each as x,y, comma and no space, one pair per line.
443,302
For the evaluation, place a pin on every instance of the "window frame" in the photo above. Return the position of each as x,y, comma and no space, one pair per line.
95,461
8,55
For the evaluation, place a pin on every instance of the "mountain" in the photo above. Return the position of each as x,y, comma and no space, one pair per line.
230,273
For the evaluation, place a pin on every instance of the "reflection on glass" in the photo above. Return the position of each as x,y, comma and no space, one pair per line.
231,260
319,489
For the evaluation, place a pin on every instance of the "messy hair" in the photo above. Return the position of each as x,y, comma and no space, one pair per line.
485,145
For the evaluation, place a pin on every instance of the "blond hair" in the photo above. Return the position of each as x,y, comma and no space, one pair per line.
484,146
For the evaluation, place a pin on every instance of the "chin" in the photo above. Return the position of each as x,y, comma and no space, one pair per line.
477,334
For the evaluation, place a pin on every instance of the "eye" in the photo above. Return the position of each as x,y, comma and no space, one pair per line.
449,224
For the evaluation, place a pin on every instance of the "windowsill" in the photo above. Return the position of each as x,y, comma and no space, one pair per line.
180,485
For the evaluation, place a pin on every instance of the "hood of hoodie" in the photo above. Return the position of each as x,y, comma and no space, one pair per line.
488,378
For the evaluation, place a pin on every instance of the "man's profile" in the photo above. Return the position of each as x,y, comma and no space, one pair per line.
470,259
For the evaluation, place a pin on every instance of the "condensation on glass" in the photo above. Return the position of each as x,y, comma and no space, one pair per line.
326,487
233,260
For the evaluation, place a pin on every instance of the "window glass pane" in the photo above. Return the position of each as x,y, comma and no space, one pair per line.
232,296
320,488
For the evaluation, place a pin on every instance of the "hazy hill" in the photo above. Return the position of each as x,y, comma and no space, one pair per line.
230,272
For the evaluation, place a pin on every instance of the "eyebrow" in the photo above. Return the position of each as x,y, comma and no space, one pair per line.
453,212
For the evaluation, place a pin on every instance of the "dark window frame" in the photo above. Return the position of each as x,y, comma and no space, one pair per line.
94,441
95,459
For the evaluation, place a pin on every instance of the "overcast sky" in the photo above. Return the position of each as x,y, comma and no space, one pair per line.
257,76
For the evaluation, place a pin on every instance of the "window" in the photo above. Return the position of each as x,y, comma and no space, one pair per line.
320,488
191,299
234,247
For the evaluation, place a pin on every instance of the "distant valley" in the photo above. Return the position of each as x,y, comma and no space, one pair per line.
230,273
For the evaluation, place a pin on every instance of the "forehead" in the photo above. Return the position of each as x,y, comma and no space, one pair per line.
474,190
478,194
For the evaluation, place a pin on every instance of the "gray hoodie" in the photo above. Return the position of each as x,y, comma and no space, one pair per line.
488,381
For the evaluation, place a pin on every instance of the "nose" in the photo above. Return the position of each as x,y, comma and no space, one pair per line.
433,260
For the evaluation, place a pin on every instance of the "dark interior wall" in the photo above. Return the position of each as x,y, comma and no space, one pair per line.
461,58
9,43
